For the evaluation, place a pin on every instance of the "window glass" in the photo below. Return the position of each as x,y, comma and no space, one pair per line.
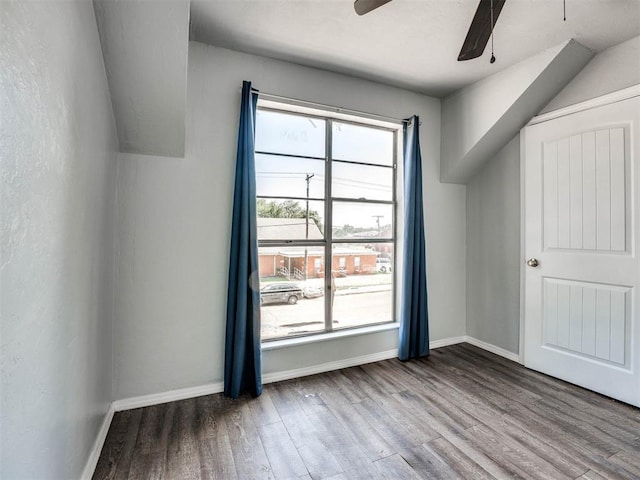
290,176
362,182
355,220
362,285
289,134
288,219
291,296
310,207
362,144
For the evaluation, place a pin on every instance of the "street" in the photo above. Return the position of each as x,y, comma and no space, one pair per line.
350,309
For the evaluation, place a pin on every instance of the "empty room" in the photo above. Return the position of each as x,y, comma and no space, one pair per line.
320,239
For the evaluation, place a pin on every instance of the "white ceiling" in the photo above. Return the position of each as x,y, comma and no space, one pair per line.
412,44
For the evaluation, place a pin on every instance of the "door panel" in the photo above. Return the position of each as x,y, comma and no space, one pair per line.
584,191
581,179
587,318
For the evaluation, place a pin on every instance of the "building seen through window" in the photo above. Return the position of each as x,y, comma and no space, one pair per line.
326,212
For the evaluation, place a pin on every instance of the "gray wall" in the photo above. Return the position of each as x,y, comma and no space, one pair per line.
612,69
174,228
58,147
493,216
144,46
493,250
479,119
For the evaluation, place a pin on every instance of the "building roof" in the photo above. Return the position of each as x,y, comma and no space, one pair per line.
316,251
287,229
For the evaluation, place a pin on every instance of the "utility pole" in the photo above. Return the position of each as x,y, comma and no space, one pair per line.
378,217
307,179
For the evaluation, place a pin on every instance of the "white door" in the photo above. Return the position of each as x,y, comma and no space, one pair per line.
582,206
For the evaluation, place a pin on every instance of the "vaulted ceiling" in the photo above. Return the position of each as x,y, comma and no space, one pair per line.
412,44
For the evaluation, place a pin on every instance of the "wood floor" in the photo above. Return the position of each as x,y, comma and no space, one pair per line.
460,413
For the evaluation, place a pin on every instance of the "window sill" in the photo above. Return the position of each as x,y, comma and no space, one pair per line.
321,337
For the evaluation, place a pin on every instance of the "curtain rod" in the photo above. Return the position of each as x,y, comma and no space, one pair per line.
346,111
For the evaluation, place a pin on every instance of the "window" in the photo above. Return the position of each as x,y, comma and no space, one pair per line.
326,207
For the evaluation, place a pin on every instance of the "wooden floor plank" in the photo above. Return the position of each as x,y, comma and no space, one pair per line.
122,433
508,453
459,462
619,435
344,447
318,459
395,467
374,445
591,475
333,388
216,457
214,445
249,456
627,461
462,412
584,450
263,411
126,457
282,454
154,430
149,466
182,456
535,441
427,463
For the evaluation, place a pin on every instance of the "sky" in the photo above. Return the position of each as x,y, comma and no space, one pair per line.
304,136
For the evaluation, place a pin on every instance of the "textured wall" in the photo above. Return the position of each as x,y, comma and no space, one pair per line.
175,219
493,250
612,69
58,152
144,46
493,202
478,120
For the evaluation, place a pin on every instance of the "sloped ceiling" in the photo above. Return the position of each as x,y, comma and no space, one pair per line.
412,44
478,120
408,43
144,46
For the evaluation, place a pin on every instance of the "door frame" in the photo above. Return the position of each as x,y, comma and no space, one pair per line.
617,96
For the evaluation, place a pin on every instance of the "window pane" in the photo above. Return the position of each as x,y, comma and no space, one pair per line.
291,305
289,134
291,164
362,280
362,220
362,144
361,181
287,219
289,176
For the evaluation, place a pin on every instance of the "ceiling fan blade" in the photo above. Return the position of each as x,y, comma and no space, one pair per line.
480,29
365,6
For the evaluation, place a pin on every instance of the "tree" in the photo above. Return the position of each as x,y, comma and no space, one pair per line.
286,209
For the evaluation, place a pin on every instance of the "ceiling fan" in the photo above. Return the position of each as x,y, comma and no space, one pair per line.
479,31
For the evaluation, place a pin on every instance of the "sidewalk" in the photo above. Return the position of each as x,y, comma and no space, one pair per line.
353,284
363,289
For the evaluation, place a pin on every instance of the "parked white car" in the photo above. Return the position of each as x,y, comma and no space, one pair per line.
383,265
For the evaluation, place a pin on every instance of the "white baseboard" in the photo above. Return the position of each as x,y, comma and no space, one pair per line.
94,455
210,388
350,362
444,342
514,357
169,396
191,392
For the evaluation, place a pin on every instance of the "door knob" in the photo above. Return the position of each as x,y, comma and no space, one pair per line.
533,262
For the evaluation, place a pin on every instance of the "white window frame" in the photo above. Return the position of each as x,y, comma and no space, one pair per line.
299,108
